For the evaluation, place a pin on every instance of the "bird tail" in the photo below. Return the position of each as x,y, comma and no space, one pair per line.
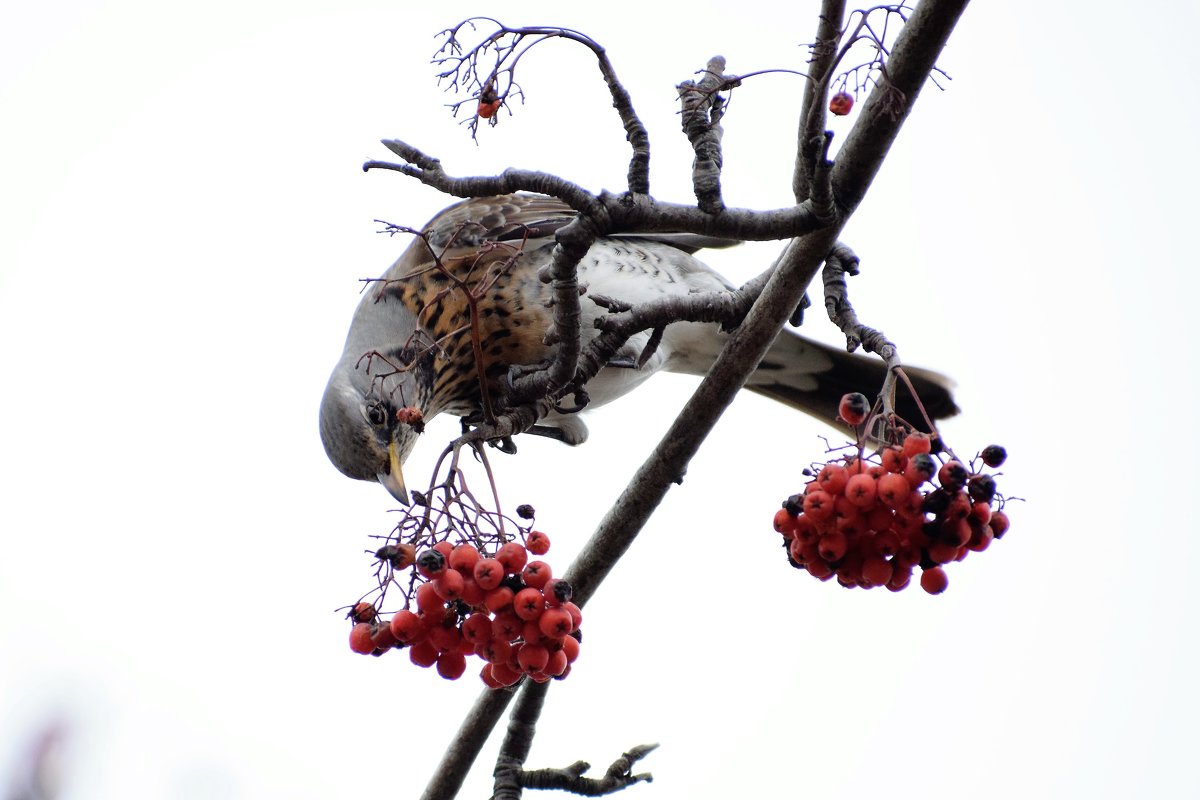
786,374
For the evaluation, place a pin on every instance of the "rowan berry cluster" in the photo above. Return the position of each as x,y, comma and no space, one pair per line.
872,521
500,605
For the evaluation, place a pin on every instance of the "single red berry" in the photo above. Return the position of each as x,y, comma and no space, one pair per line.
818,505
892,460
361,638
915,444
429,602
363,612
423,654
999,524
557,664
832,546
489,680
920,468
497,651
463,558
555,622
576,614
532,657
488,572
876,570
449,585
536,574
488,110
446,636
513,556
934,580
840,104
952,476
861,490
498,599
445,548
570,646
784,523
892,489
981,488
451,665
832,478
477,628
854,408
407,627
505,675
537,543
529,603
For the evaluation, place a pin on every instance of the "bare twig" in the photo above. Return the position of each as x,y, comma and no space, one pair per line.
618,776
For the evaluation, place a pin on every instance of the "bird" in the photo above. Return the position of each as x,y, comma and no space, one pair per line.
410,344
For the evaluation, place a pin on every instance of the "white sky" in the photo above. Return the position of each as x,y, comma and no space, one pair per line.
184,225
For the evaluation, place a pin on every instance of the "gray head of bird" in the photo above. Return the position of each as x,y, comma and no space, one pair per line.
368,423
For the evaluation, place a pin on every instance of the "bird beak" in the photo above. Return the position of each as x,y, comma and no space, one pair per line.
393,479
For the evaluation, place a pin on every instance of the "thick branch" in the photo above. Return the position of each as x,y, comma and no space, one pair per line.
462,750
515,750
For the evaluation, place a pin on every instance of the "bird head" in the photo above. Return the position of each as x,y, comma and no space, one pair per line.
367,419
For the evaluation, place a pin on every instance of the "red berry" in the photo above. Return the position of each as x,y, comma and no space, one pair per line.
488,110
952,476
529,603
363,612
784,523
854,408
488,572
498,599
861,490
934,580
536,574
429,602
361,638
532,657
832,478
423,654
832,546
463,558
505,675
840,104
998,523
877,570
915,444
537,543
513,556
555,622
477,628
570,646
557,664
576,614
892,489
891,460
407,627
818,505
449,585
451,665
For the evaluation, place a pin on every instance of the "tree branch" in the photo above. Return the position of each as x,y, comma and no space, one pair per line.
701,118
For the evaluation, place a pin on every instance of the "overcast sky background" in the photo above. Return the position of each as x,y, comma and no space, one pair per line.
184,226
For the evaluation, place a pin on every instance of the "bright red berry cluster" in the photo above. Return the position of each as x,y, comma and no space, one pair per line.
501,606
873,522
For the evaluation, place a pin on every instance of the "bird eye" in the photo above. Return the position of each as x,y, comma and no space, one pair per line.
377,414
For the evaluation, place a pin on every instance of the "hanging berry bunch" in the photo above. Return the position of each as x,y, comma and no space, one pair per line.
473,584
872,520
